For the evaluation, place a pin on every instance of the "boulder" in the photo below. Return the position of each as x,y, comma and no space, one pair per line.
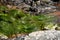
44,35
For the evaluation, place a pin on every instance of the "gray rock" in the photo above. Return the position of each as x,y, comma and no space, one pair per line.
38,6
44,35
20,38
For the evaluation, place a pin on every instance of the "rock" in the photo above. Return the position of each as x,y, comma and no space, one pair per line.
20,38
44,35
32,6
38,2
46,0
3,37
23,6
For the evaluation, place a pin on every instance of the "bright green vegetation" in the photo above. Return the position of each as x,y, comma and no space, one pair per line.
16,21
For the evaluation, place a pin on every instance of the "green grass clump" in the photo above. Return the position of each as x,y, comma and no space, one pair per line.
16,21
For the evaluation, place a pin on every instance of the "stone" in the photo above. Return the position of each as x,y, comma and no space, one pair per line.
38,6
44,35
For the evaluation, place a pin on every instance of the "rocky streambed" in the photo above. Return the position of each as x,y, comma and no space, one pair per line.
32,6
